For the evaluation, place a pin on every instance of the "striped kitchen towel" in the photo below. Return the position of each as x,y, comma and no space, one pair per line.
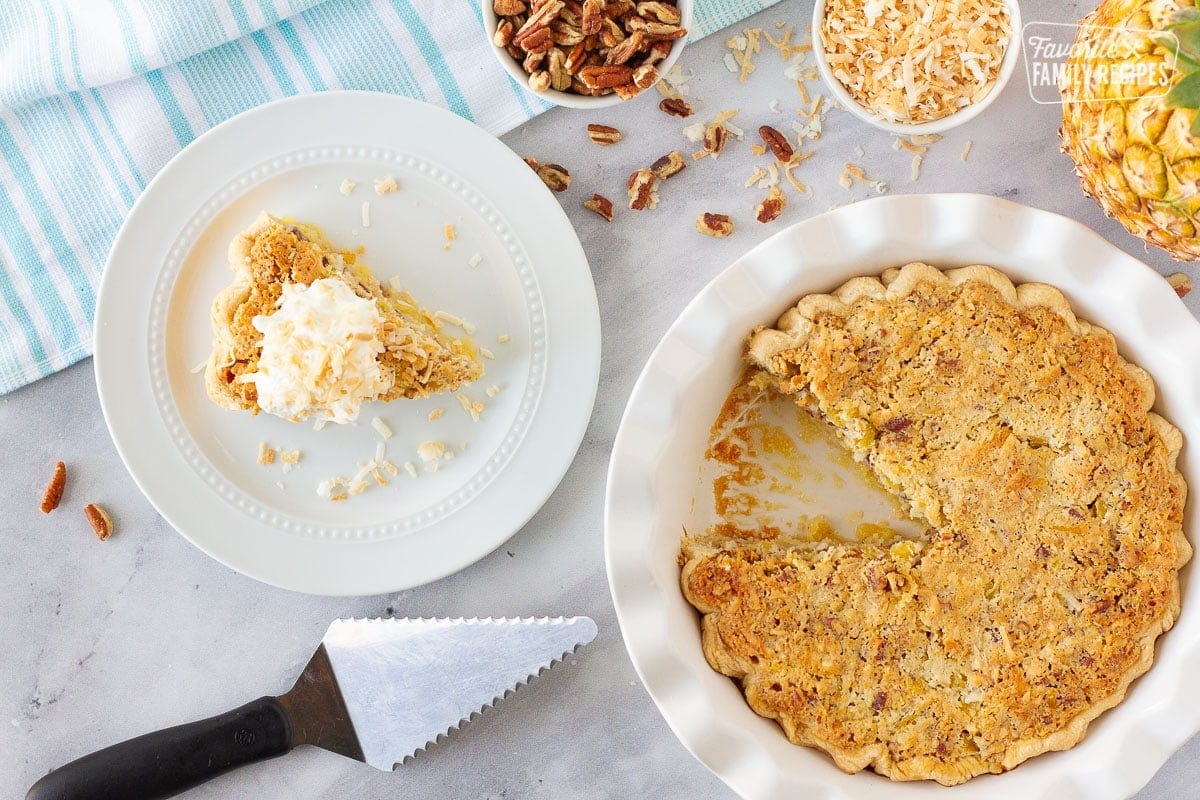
97,95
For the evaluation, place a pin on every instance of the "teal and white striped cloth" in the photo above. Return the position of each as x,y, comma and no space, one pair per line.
97,95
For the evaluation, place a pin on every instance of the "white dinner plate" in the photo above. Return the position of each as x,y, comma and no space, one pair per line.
660,445
514,269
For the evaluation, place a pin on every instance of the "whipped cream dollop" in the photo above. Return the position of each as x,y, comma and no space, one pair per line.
319,353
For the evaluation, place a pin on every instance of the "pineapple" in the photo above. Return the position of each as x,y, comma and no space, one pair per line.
1136,144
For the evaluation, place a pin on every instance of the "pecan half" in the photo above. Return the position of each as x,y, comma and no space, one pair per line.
54,489
606,77
554,176
509,8
560,79
603,134
625,50
98,518
770,208
645,76
564,35
641,185
601,205
670,164
504,33
716,225
593,17
778,143
656,30
663,12
539,21
575,58
539,80
676,107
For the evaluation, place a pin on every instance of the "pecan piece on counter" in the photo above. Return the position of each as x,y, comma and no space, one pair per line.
641,186
54,489
770,208
99,519
554,176
601,205
670,164
716,225
676,107
603,134
777,142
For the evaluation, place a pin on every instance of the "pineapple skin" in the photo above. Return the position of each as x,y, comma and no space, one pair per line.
1134,156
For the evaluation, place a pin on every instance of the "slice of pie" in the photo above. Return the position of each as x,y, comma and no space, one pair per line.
1051,561
305,330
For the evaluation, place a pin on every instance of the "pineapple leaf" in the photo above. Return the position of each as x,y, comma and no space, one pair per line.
1184,36
1185,93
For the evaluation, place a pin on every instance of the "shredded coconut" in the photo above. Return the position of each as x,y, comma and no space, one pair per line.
916,60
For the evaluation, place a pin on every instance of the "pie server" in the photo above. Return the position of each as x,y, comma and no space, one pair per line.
375,690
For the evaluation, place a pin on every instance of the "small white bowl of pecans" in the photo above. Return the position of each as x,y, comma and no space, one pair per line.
914,67
587,53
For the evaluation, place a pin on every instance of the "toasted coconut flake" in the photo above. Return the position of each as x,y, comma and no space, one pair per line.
916,60
410,468
483,351
431,451
347,187
266,454
196,370
916,168
966,151
386,185
493,390
695,132
475,260
503,338
758,175
449,232
436,414
366,214
381,428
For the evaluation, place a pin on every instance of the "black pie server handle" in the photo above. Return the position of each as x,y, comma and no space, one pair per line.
167,762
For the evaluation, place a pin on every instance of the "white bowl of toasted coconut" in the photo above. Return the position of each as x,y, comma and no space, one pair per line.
910,66
628,46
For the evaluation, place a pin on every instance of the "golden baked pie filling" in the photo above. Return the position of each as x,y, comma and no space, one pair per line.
1026,444
276,261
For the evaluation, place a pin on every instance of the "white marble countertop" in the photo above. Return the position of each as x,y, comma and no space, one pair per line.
103,641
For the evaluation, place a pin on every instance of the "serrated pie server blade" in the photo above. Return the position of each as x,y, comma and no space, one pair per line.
404,683
375,690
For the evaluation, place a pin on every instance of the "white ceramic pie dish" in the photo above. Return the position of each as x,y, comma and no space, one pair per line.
658,449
